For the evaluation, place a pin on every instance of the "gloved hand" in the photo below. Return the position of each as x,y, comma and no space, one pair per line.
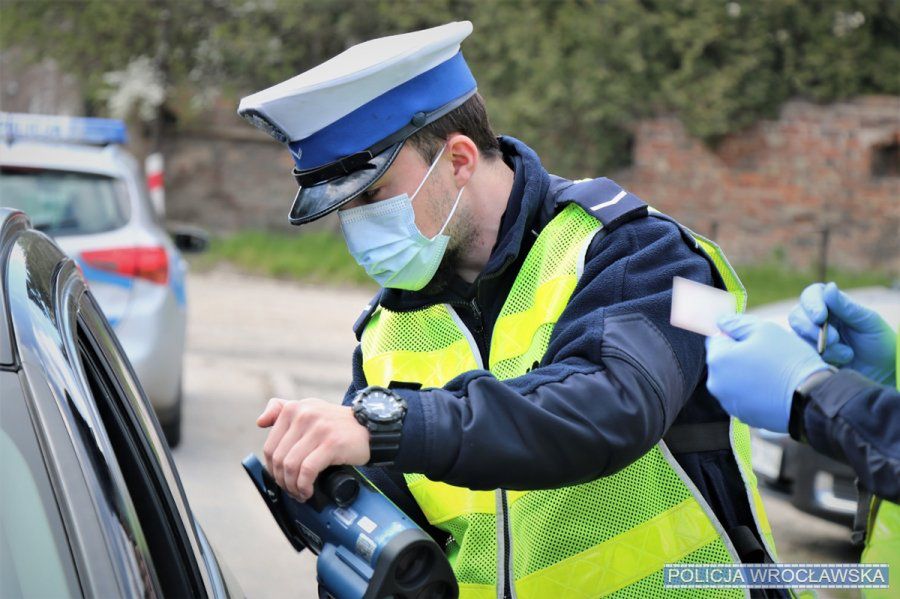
754,371
858,338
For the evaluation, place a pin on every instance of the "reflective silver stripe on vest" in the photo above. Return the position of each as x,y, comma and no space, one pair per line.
582,255
673,463
473,345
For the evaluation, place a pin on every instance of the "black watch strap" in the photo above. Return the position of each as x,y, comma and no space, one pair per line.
796,424
384,437
384,443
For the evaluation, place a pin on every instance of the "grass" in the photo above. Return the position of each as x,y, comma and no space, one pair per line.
321,257
770,282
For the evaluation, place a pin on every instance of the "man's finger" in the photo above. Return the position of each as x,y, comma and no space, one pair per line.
808,331
293,461
738,326
292,448
274,439
270,414
812,300
312,466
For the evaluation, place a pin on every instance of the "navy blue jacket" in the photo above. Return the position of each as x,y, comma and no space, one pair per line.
852,419
615,378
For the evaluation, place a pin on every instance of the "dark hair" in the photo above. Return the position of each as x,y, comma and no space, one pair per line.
469,118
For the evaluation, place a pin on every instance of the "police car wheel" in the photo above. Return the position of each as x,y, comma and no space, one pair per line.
171,421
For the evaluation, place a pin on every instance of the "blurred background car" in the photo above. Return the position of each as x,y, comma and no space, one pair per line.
813,483
91,504
78,185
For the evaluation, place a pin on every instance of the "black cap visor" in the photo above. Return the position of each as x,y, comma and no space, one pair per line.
312,202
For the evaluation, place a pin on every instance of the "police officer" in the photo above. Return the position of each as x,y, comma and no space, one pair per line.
517,387
773,379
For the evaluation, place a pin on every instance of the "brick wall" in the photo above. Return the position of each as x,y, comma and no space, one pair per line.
771,190
228,178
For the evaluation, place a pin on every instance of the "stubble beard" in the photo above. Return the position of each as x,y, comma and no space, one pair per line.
461,233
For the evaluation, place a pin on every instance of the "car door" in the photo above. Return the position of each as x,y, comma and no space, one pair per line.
114,505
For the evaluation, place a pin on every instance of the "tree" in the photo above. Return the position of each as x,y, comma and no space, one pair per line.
570,77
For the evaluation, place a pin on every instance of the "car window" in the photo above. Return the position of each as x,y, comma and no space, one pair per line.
173,562
36,559
65,202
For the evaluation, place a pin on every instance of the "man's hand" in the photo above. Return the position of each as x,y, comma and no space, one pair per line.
307,436
858,337
754,371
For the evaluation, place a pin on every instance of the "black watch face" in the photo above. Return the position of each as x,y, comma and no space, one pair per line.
381,407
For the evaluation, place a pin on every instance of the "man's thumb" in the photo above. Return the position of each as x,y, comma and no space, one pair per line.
844,308
737,326
270,414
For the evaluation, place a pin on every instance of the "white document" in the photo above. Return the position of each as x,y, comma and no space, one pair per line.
698,307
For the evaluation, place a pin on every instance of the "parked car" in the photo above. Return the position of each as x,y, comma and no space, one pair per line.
813,483
76,183
90,504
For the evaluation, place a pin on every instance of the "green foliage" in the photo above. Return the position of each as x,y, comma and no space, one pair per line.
570,77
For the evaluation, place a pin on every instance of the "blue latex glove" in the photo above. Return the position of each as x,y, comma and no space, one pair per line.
754,371
858,338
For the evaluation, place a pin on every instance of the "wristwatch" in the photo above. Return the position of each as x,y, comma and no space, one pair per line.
796,426
381,411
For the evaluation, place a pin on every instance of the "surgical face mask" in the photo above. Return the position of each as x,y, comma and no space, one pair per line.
384,239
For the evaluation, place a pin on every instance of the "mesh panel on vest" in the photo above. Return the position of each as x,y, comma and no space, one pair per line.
424,330
651,587
550,265
474,560
555,524
424,346
562,534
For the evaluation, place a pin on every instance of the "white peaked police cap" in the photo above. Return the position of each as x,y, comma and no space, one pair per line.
345,120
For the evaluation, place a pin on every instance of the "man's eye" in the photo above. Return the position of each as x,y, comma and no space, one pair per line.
369,194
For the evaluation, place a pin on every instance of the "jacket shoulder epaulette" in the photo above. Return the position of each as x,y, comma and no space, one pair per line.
360,325
604,199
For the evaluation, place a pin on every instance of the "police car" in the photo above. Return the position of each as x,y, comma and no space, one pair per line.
77,184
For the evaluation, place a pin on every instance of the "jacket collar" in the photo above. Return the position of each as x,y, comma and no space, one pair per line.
527,209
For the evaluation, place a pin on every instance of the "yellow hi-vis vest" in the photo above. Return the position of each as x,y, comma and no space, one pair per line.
610,536
883,534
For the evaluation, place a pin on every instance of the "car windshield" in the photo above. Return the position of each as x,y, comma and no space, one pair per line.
65,202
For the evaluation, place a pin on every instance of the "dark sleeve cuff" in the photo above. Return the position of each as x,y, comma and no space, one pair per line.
414,451
825,401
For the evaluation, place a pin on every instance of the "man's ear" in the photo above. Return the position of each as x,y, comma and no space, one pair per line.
464,156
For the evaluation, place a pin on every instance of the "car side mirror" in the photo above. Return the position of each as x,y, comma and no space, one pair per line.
189,239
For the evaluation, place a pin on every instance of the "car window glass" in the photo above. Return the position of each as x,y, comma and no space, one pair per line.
63,202
171,561
36,560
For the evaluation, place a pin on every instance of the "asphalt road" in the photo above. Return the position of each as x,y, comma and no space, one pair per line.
250,339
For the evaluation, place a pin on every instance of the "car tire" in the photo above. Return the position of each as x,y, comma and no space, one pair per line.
171,421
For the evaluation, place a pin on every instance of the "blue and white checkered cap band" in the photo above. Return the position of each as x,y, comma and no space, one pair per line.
386,114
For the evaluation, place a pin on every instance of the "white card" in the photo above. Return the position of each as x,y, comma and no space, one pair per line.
698,307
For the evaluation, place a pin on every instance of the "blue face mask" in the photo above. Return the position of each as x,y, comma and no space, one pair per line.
384,239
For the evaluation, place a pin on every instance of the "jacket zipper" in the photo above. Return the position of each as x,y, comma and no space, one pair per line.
505,586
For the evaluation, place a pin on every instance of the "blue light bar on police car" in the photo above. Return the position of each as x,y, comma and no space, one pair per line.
66,129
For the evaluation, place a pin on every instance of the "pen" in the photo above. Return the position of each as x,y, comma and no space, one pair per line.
823,337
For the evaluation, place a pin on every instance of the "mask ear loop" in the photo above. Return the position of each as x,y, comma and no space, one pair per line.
458,196
425,178
452,211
